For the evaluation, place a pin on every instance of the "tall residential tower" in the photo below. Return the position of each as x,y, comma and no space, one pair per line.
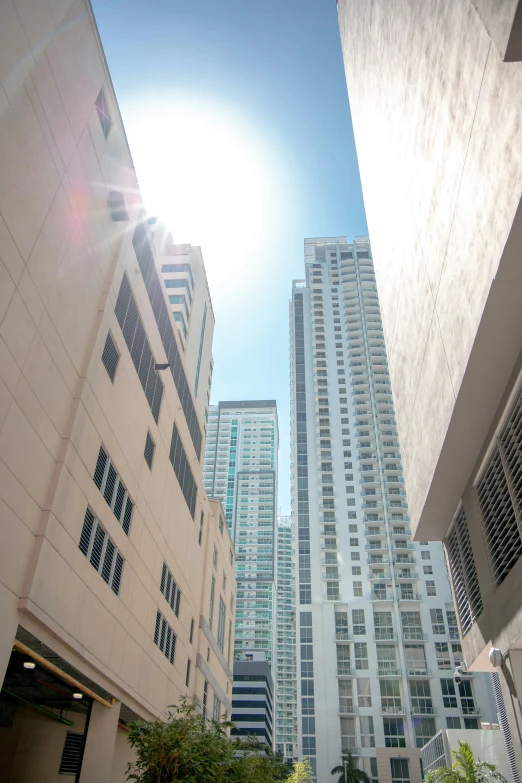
286,673
240,469
376,623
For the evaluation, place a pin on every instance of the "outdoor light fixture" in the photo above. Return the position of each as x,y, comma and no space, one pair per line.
496,658
29,665
161,366
78,695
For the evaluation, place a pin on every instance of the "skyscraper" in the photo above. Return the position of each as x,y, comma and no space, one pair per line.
286,690
240,469
378,637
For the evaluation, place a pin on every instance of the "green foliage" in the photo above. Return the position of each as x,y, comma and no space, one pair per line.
191,749
302,773
466,769
349,772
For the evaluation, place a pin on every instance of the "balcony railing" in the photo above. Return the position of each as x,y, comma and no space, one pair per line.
348,710
381,596
420,671
388,671
344,671
411,635
343,636
419,708
385,636
392,708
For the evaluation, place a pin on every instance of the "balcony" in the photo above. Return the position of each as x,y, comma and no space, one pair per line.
376,546
379,531
420,708
345,671
469,709
381,596
401,547
411,635
348,710
343,636
379,575
335,597
385,636
409,597
420,671
406,575
378,561
392,708
388,671
402,560
352,749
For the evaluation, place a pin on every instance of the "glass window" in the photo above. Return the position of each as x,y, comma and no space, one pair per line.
364,693
360,655
358,622
394,733
400,770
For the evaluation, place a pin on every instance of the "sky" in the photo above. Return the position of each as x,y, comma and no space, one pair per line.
238,120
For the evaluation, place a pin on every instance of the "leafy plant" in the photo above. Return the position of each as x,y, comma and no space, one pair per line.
349,773
187,747
466,769
302,773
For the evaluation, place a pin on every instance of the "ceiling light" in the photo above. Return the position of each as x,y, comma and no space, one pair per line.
78,695
29,665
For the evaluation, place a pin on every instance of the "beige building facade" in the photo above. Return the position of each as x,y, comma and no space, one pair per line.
435,91
117,588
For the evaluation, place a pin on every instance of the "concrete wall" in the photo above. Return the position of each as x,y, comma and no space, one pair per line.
436,116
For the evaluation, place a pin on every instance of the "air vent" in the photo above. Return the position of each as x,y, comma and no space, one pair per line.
170,590
164,637
149,450
463,572
113,490
101,552
72,754
500,495
110,357
181,465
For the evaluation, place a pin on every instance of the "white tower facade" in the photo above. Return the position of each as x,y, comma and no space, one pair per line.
378,638
240,469
285,657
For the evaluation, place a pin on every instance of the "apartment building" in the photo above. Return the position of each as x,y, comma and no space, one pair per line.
377,629
435,93
253,698
114,565
285,655
184,275
240,468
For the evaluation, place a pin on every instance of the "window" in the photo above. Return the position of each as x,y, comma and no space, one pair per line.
420,693
425,554
430,588
187,673
71,754
348,740
354,542
443,658
357,590
110,357
471,723
355,555
200,535
449,696
391,696
164,637
100,551
394,733
170,590
463,572
360,651
352,528
221,625
211,605
103,113
133,331
345,696
356,570
216,710
358,622
364,693
113,490
400,770
437,621
453,723
182,469
427,570
149,450
116,205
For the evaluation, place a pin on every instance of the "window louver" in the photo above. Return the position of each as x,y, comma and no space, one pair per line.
164,637
110,357
463,572
109,483
149,450
170,590
154,287
134,333
101,552
71,754
182,469
499,494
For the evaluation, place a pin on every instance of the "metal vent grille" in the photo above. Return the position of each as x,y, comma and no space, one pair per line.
155,289
101,551
500,494
149,450
187,675
132,328
72,754
110,357
181,466
170,589
109,483
463,572
164,637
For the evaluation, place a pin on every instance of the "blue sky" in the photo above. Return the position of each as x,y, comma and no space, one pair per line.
238,120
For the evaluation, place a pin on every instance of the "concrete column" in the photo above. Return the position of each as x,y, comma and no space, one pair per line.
99,744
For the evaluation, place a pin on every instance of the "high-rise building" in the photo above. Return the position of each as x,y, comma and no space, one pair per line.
253,698
184,275
240,469
113,562
377,629
285,654
435,93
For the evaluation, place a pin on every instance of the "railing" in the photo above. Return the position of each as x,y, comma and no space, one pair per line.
469,709
344,671
381,531
388,671
392,709
381,596
409,597
420,672
418,708
342,636
409,635
385,636
385,574
381,561
380,545
344,710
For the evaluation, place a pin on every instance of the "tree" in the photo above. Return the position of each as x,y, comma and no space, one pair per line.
187,747
302,773
466,769
349,773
